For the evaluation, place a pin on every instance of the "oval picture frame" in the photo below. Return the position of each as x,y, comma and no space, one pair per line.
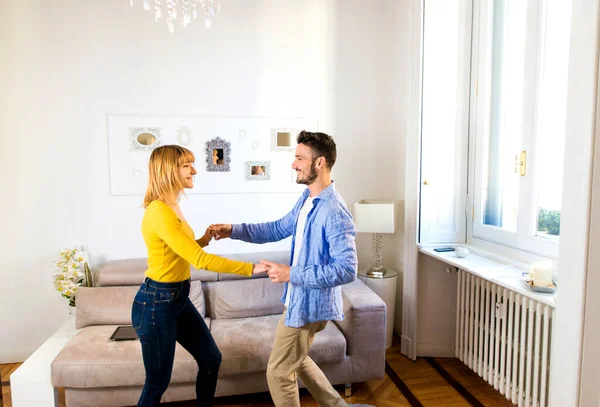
185,136
136,132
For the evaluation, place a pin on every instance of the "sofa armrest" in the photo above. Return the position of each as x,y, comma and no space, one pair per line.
364,329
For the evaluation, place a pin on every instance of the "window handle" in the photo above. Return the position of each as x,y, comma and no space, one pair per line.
521,163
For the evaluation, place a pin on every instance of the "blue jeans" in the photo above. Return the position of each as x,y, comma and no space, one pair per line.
162,314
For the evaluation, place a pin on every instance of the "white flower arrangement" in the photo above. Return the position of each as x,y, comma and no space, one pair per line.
71,270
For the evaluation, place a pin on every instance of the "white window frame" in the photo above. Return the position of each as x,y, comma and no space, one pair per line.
523,241
443,200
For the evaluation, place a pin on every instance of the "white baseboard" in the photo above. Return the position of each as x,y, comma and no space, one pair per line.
435,351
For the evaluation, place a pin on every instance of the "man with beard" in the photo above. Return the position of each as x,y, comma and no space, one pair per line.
323,258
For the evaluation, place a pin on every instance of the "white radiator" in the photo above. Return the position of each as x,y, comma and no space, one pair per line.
505,338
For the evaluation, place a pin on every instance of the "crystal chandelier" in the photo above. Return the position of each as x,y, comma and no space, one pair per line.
184,9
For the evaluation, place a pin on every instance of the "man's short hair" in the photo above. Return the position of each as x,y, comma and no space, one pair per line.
321,144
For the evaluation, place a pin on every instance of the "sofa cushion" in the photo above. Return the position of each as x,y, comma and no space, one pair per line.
132,272
247,343
123,272
197,297
246,298
104,305
92,360
112,305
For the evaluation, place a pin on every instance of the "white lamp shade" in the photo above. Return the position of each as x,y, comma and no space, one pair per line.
375,216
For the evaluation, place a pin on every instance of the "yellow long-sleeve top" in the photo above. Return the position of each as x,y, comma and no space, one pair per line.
172,248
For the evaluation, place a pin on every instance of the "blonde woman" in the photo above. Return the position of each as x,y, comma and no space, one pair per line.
162,313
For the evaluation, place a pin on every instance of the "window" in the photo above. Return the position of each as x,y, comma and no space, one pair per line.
519,85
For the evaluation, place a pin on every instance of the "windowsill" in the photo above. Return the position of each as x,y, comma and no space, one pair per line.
506,273
510,254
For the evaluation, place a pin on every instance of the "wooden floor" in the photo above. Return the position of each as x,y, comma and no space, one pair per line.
427,382
5,372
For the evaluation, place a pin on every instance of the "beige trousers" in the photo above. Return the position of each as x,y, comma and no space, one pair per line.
289,360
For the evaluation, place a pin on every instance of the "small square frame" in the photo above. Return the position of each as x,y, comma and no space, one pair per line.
248,171
274,136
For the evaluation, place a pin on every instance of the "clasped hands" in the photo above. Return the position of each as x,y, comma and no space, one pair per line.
217,232
278,273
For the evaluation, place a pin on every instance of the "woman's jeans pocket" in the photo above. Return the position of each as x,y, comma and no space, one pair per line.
139,308
167,295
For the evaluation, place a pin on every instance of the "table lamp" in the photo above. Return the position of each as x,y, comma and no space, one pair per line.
377,217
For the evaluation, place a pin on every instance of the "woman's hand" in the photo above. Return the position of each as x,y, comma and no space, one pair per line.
205,240
278,273
260,268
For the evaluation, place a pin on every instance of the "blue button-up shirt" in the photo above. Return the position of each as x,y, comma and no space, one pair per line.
327,258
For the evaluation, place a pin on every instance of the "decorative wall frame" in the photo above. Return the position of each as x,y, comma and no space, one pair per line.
218,155
185,136
145,138
128,161
257,170
283,139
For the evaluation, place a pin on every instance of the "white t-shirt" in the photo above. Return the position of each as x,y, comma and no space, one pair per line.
298,243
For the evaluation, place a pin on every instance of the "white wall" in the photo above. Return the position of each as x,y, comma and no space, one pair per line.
66,65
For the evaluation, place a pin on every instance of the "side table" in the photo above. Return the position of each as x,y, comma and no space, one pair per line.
385,287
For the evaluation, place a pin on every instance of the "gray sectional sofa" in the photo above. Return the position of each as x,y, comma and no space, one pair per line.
242,314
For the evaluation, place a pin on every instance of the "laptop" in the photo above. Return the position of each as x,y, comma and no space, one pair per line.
124,333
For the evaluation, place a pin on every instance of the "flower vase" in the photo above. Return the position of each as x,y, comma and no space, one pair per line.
72,311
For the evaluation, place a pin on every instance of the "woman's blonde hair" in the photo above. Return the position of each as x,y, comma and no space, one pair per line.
164,183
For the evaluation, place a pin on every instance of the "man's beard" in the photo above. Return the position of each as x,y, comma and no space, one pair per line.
310,177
